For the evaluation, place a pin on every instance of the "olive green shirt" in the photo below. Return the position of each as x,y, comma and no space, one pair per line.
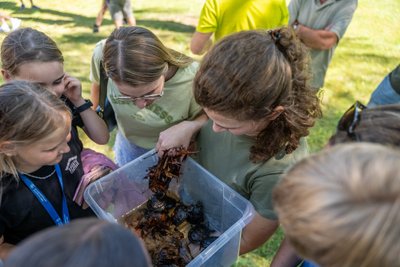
227,157
143,126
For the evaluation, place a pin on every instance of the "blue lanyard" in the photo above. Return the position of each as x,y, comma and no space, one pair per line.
45,202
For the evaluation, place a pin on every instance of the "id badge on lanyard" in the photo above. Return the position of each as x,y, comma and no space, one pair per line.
45,202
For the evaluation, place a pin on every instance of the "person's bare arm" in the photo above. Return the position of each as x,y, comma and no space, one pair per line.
285,256
95,127
256,233
5,248
200,43
95,94
316,39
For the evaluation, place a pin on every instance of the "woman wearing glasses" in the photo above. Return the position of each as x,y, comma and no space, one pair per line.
150,90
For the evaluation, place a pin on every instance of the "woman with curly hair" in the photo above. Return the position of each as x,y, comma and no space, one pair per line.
254,86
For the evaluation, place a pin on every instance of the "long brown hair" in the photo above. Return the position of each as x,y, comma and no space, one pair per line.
27,45
135,56
248,74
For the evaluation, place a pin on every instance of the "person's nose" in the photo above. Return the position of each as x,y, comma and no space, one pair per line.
65,148
141,103
58,90
217,128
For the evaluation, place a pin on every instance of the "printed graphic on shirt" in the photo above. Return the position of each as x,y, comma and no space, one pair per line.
161,113
72,164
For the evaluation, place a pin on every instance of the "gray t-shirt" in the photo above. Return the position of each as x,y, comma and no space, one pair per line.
334,16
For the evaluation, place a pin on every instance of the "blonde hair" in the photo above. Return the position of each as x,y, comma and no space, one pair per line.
28,113
27,45
135,56
248,74
340,208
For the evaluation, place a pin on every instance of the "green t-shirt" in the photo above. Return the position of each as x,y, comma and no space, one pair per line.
227,157
334,16
223,17
143,126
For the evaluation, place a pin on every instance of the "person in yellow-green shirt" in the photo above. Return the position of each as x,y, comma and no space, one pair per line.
150,90
224,17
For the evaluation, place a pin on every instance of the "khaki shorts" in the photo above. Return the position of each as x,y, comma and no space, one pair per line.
120,9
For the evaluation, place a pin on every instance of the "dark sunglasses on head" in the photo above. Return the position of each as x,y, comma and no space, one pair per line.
350,119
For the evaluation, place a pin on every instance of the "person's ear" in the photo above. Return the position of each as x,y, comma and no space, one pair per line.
6,75
8,148
276,112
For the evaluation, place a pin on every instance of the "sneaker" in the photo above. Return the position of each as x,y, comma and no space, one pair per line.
22,7
5,28
35,7
15,23
95,28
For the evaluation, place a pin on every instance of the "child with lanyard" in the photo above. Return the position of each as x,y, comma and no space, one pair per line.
150,90
36,148
254,87
30,55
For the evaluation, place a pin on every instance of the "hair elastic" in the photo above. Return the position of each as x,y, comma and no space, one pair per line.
275,35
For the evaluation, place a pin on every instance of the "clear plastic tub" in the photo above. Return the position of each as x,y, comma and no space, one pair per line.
226,211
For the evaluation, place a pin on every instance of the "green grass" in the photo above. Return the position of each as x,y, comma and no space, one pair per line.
370,49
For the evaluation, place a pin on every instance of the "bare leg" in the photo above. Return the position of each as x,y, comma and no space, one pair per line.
100,15
118,23
132,21
22,5
33,5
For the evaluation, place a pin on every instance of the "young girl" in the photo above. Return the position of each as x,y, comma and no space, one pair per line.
254,87
38,163
28,54
150,90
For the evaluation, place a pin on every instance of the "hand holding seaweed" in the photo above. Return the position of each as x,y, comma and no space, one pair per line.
167,168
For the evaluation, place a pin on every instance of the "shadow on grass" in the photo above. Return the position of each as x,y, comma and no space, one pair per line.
9,5
81,38
76,18
161,10
166,25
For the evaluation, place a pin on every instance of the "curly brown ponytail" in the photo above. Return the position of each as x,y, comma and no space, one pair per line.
247,75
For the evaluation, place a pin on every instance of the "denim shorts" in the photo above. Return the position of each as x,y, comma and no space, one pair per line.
125,151
384,94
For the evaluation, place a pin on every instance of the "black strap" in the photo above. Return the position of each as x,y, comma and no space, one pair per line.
103,87
84,107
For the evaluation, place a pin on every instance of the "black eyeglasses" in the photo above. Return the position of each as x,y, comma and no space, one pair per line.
350,119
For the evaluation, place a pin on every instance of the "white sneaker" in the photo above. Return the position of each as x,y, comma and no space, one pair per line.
15,23
5,28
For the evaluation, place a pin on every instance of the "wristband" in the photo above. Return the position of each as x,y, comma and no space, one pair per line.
84,107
